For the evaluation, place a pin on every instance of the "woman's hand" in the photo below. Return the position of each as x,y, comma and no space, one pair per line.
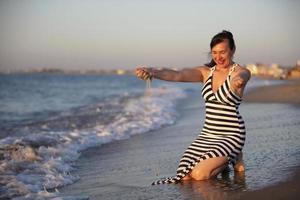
143,73
238,82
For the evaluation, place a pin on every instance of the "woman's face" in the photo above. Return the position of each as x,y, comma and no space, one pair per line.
222,54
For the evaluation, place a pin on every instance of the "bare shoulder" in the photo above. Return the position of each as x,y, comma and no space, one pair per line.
243,72
203,69
241,69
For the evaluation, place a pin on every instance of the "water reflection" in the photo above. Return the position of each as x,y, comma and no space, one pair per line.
226,186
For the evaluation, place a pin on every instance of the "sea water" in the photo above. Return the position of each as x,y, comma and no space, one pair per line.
46,120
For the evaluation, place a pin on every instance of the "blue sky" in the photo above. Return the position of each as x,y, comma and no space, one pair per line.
90,34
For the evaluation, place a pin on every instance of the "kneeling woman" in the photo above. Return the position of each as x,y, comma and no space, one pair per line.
223,135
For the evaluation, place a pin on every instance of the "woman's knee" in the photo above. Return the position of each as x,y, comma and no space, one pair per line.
208,168
200,175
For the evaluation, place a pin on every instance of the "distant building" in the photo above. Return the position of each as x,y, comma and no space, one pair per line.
253,69
258,69
298,64
295,71
274,70
120,71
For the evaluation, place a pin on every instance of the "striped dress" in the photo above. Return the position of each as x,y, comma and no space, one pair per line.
223,133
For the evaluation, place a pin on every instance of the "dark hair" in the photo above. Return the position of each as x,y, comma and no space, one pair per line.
218,38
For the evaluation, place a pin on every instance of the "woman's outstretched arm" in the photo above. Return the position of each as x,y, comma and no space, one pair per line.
185,75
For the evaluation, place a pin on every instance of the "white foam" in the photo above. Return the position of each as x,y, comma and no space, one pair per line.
36,164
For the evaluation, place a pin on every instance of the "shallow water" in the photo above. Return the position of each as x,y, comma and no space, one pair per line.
46,120
125,169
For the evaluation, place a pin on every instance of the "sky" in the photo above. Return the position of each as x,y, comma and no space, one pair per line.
110,34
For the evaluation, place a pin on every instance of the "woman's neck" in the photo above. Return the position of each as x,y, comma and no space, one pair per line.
224,69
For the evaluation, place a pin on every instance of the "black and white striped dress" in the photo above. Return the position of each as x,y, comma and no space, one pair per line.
223,133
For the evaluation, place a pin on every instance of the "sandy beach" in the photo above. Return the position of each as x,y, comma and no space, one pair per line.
285,190
125,169
284,93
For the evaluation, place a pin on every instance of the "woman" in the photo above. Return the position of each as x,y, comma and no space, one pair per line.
223,135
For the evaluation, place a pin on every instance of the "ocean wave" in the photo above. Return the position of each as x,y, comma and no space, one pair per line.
36,164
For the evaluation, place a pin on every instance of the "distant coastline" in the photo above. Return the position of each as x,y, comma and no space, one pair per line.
262,71
62,71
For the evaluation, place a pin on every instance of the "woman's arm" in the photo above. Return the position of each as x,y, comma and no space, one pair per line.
240,80
185,75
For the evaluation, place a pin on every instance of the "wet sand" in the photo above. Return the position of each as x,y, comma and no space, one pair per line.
125,169
284,93
288,190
